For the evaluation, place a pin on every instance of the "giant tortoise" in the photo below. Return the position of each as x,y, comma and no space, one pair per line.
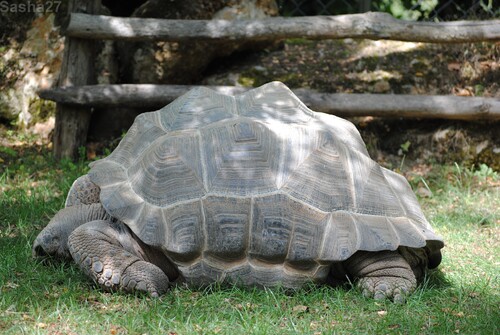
252,189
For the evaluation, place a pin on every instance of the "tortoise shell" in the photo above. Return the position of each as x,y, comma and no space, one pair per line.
255,187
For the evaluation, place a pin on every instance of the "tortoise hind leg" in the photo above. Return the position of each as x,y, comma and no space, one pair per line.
382,274
107,252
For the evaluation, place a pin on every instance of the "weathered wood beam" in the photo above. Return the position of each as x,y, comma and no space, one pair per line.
72,122
146,96
372,25
404,105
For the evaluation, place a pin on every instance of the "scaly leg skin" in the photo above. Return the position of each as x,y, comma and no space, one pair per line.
105,251
83,192
382,274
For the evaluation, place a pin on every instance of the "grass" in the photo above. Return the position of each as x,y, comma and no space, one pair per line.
463,296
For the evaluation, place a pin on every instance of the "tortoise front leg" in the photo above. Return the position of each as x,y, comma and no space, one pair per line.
382,274
107,252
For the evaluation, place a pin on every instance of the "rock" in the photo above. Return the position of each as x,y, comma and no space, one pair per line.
441,135
32,66
252,9
481,146
183,63
424,192
381,86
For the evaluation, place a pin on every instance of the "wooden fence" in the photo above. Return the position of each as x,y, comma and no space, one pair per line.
77,94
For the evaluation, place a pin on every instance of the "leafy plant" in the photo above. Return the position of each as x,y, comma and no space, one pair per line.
405,147
411,10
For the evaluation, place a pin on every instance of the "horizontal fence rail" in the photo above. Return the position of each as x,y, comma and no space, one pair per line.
342,104
373,25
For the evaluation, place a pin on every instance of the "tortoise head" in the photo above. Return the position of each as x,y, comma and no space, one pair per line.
52,242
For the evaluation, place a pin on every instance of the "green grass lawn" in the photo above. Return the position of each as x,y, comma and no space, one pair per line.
461,297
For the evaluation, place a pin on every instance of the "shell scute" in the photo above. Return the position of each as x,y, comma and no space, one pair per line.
273,102
343,130
184,234
227,221
198,107
322,178
144,131
168,171
375,196
242,158
284,229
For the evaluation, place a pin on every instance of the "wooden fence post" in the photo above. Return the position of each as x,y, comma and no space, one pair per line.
77,69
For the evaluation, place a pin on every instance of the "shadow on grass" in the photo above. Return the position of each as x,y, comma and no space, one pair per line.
435,279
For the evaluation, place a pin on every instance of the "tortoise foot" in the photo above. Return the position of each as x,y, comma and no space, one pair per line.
379,288
102,250
383,274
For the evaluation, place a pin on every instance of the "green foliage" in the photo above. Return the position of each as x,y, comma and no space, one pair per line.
406,9
405,147
8,151
484,172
